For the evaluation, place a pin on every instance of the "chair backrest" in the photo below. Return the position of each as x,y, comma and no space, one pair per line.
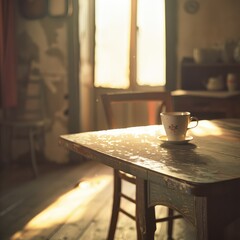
147,105
31,104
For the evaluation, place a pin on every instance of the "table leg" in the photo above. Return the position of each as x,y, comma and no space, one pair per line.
146,224
204,224
213,214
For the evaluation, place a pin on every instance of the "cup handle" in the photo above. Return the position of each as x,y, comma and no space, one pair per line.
193,119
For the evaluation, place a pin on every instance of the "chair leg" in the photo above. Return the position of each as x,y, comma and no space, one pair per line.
170,224
7,143
116,205
42,140
32,151
11,138
3,144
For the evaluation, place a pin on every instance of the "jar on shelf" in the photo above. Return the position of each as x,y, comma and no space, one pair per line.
232,82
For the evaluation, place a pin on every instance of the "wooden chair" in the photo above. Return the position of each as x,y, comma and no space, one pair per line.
28,120
154,102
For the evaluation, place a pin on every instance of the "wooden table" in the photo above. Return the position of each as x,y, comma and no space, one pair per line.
201,179
208,104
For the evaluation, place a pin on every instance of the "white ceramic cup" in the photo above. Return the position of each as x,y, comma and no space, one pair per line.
176,124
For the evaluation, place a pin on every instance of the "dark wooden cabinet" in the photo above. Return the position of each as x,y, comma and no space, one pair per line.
208,105
194,76
203,103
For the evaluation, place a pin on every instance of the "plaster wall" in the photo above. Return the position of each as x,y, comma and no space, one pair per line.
215,23
43,44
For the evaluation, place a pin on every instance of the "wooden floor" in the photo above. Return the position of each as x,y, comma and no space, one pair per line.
70,202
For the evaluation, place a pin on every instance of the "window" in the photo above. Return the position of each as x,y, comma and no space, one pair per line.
129,43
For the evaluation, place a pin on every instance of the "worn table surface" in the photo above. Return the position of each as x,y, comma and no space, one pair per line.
212,156
210,94
200,173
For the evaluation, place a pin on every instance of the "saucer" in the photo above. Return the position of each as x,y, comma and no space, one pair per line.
165,140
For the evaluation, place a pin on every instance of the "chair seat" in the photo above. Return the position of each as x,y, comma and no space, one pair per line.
27,120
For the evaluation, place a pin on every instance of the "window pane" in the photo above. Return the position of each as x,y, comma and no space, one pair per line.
112,43
151,55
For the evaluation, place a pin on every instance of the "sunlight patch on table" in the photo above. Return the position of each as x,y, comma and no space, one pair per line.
206,128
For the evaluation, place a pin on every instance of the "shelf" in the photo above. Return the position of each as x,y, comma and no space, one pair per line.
208,104
195,76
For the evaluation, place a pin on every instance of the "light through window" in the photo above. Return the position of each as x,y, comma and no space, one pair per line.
112,43
151,43
112,19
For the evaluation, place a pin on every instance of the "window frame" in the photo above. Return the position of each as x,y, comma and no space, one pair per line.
171,40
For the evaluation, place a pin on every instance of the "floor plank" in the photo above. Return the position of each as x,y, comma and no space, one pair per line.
74,203
23,203
98,228
23,212
84,216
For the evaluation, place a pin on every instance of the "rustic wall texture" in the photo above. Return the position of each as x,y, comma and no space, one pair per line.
42,46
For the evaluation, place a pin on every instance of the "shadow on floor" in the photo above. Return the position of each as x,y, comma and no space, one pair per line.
19,171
